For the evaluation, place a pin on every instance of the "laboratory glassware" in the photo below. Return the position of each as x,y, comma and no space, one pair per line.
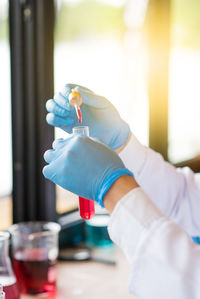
2,294
75,100
86,206
7,277
35,251
78,113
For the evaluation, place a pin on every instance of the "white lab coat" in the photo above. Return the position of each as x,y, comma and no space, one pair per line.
153,225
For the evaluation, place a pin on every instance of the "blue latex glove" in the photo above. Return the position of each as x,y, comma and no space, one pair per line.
98,113
83,166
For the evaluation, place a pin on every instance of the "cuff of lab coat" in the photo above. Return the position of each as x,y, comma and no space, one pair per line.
132,218
138,154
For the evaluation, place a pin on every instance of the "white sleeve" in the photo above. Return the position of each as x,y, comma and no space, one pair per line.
176,191
165,263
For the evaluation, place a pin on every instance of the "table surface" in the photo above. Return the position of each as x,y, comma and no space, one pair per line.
92,280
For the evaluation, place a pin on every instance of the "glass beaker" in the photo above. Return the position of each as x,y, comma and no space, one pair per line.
35,251
7,277
2,294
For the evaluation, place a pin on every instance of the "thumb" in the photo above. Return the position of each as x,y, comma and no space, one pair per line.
91,99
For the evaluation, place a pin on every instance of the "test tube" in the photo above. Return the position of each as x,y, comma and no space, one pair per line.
2,294
78,113
75,100
86,206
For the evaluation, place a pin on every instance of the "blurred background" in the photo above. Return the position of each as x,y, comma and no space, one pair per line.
109,47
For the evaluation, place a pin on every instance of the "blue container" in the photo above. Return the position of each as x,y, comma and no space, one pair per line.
96,231
196,239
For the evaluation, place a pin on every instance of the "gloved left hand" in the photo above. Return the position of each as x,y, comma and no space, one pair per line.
83,166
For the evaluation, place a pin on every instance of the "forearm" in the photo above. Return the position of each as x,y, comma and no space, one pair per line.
164,261
174,191
120,188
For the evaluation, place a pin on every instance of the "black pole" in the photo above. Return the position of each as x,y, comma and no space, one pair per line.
31,42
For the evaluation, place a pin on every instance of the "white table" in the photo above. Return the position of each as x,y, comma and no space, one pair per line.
92,280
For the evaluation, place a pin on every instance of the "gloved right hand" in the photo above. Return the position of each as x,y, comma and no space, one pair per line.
98,113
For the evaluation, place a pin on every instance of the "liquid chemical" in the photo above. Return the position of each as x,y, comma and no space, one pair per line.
79,114
34,271
86,208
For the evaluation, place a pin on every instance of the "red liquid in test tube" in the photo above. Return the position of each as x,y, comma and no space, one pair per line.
86,206
79,114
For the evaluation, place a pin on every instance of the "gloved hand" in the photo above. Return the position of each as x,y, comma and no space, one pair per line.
83,166
98,113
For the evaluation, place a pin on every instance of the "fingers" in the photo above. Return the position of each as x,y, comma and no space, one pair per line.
62,100
52,172
52,154
48,173
52,157
59,116
88,96
68,87
58,143
49,156
53,107
57,121
91,99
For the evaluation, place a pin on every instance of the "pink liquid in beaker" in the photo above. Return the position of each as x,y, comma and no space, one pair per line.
34,271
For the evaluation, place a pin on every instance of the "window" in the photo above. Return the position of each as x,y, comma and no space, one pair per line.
5,122
184,99
100,45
